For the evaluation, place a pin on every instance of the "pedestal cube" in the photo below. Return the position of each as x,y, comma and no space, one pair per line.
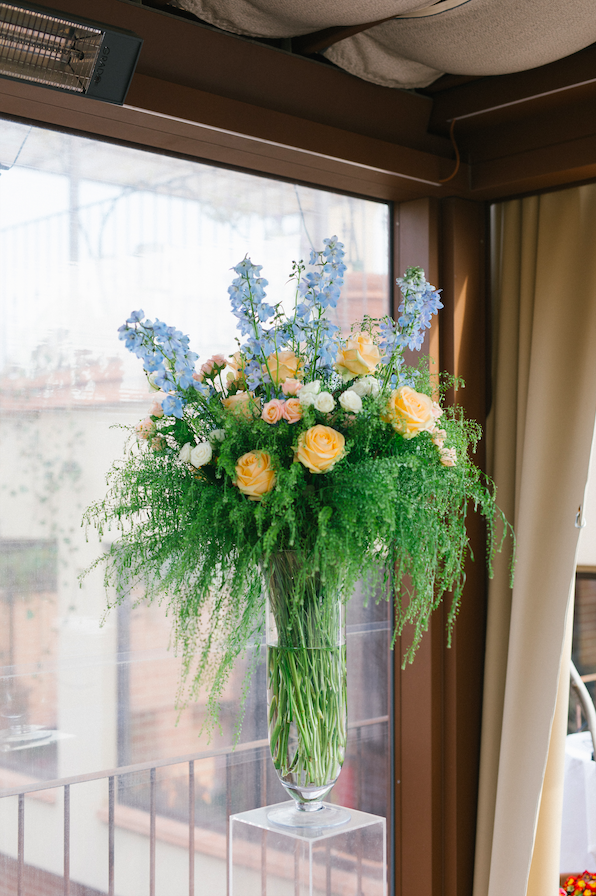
267,859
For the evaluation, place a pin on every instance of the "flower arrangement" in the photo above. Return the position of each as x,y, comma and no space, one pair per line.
579,885
305,459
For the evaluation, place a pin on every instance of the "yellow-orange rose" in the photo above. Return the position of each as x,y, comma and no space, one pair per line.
319,448
244,404
238,363
409,412
254,474
359,358
282,366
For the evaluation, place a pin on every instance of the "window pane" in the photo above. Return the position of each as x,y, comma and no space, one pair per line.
90,231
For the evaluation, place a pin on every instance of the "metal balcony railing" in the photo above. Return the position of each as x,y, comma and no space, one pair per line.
111,776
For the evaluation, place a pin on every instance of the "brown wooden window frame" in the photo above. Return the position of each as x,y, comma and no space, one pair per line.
437,700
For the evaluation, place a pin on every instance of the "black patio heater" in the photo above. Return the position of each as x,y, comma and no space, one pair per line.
53,49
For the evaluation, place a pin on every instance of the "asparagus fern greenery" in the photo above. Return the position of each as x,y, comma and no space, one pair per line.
303,441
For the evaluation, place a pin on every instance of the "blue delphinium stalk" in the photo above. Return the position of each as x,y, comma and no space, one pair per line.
420,302
319,290
166,357
247,295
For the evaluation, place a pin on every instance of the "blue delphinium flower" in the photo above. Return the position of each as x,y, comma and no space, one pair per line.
165,353
316,291
247,295
420,302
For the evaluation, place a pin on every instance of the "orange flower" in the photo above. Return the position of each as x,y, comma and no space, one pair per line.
359,357
244,404
237,362
255,475
282,366
409,412
319,448
292,410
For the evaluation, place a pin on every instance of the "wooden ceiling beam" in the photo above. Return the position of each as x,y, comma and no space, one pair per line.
541,168
476,100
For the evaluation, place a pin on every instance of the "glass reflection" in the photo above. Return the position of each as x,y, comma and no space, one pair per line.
90,231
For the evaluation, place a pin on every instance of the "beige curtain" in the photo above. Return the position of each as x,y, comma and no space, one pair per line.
539,438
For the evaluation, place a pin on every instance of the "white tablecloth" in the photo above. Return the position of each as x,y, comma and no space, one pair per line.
578,836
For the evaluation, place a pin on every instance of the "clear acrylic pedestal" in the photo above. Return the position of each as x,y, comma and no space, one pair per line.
267,859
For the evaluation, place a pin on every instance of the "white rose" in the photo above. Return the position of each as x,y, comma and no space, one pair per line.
308,393
306,399
201,454
325,402
351,401
375,388
366,385
217,435
185,453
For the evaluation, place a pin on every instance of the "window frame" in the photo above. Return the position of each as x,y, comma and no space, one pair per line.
433,810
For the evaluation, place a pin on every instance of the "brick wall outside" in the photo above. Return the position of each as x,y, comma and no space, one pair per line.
37,882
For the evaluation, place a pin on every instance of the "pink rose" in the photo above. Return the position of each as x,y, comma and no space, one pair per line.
291,387
273,411
156,409
448,457
145,428
213,365
292,410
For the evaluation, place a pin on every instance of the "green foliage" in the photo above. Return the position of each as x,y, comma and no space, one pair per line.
388,512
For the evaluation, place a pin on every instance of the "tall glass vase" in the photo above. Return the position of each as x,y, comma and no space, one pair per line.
306,687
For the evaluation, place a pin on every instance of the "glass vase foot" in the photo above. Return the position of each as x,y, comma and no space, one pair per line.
321,815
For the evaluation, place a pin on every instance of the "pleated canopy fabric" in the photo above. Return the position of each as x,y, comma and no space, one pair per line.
460,37
287,18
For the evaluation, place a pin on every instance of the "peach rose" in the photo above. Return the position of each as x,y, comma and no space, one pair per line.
254,474
409,412
156,409
320,448
283,366
291,386
438,436
273,411
145,428
448,457
292,410
359,357
243,404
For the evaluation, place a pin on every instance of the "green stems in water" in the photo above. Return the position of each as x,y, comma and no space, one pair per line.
306,675
307,713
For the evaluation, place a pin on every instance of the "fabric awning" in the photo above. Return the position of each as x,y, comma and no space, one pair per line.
460,37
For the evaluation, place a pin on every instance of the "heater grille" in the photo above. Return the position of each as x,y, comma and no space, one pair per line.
47,49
